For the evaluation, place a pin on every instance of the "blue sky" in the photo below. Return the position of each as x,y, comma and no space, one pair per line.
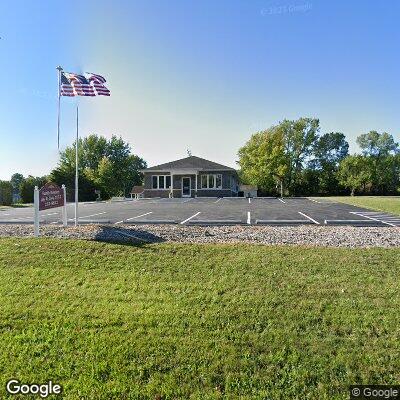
200,75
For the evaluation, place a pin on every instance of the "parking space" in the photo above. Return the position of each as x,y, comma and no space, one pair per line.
212,211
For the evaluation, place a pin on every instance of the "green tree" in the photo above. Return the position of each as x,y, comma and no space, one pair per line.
329,150
262,160
299,138
380,150
377,145
278,155
355,173
65,175
107,165
16,180
28,185
6,193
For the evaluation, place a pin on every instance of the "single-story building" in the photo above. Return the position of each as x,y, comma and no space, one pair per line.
190,177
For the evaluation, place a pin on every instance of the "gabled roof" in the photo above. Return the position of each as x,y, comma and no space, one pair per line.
191,162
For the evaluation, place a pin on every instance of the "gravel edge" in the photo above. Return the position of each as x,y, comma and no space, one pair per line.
326,236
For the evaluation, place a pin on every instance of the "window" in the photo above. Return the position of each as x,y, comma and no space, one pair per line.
161,181
218,181
211,181
155,182
204,181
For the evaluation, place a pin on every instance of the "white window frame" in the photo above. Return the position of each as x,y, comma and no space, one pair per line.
158,182
208,182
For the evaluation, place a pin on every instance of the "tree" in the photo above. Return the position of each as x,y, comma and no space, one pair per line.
6,193
28,185
65,175
279,154
107,165
329,150
355,172
377,145
380,150
16,180
262,160
299,138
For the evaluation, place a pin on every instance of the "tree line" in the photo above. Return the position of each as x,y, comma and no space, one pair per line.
294,158
291,158
106,168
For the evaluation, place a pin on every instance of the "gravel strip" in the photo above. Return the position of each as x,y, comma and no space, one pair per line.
334,236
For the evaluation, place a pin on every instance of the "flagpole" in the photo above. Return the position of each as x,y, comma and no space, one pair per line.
76,166
59,103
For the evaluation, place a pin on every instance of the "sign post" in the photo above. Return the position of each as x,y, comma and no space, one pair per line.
36,205
64,209
49,196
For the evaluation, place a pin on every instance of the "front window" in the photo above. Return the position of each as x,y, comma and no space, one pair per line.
161,181
211,181
218,181
204,181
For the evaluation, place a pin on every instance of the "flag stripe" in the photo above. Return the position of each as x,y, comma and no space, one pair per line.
79,85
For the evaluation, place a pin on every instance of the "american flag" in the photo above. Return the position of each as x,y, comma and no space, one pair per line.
97,81
79,85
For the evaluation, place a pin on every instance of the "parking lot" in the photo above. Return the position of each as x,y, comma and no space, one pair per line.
211,211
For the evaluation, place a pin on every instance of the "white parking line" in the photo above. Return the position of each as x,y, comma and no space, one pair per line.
281,221
282,201
249,200
373,219
138,216
93,215
361,221
311,219
118,222
367,212
248,217
188,219
218,200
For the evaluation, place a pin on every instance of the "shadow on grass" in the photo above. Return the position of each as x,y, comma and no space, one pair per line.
126,236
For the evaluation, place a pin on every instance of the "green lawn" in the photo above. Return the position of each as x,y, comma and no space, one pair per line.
380,203
177,321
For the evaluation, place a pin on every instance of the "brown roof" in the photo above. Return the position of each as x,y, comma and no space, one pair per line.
190,162
137,189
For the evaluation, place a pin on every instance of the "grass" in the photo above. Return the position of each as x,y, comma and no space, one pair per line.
389,204
177,321
16,205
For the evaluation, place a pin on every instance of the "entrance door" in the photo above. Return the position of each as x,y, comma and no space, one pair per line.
186,183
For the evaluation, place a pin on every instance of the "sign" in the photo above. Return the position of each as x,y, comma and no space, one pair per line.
50,196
